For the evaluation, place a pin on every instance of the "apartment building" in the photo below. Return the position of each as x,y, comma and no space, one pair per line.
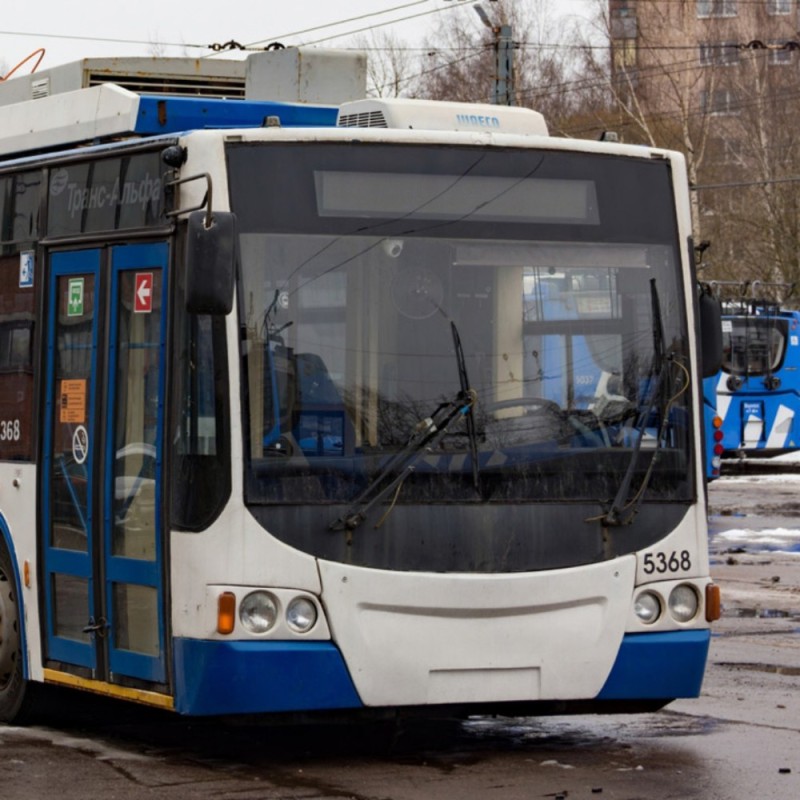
680,41
720,80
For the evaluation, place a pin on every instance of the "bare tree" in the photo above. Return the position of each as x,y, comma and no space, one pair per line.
458,62
751,203
392,66
701,86
653,82
461,60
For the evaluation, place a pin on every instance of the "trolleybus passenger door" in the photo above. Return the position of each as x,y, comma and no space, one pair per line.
133,562
102,481
69,482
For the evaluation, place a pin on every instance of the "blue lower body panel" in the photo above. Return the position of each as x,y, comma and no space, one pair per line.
658,666
217,677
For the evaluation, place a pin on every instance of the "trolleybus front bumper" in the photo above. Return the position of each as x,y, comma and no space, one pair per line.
239,677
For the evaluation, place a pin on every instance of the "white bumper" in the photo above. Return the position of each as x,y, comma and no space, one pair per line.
420,638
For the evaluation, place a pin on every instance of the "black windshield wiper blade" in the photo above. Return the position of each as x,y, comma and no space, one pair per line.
427,434
614,515
466,390
659,349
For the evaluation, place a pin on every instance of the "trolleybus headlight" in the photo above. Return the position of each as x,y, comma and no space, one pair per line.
683,603
301,615
647,607
258,612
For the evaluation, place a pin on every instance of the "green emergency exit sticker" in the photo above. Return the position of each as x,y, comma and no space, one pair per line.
75,297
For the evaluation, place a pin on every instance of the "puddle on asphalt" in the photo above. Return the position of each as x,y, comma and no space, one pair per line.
760,613
772,669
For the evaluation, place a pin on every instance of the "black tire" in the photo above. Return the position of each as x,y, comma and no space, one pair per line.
16,693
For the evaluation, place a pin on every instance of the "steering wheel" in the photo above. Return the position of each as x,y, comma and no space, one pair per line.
540,420
535,405
584,423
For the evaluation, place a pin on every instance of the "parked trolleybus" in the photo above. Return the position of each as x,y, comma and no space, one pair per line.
754,399
289,425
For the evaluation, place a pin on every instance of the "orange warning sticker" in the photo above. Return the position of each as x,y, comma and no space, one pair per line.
73,401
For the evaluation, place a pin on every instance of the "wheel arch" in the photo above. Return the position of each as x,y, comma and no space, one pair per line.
8,544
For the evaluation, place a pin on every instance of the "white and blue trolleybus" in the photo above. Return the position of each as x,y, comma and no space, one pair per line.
753,401
328,404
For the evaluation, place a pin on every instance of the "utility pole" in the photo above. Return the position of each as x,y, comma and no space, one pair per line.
504,59
504,82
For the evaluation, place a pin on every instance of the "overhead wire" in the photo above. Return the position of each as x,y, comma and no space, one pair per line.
443,9
345,22
570,86
668,70
232,45
277,37
437,68
99,39
732,108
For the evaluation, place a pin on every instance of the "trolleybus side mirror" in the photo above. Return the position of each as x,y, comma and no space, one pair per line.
210,260
710,333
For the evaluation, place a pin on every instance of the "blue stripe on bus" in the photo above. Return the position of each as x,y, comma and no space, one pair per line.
159,114
219,677
658,666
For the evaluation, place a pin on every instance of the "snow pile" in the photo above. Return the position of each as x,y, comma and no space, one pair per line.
773,540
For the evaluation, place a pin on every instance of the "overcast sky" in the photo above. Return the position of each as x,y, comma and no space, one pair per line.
69,31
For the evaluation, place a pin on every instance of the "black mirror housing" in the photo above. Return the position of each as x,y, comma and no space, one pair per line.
710,310
210,263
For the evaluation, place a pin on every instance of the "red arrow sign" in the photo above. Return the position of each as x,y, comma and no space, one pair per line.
143,293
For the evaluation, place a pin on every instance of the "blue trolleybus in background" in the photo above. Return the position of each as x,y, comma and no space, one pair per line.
753,402
310,403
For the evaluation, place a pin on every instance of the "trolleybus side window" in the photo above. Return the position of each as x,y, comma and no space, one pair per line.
106,194
19,224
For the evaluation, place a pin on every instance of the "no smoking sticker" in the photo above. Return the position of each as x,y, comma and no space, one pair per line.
80,444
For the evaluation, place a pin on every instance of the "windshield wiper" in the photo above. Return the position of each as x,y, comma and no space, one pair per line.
466,390
426,435
661,362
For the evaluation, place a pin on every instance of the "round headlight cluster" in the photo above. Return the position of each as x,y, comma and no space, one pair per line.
647,607
259,612
683,604
301,615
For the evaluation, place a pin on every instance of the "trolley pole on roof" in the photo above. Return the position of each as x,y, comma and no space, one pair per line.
504,59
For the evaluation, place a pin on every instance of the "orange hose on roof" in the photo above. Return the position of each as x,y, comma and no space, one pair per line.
40,51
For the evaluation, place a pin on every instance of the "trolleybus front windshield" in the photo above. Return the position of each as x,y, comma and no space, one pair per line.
753,345
440,337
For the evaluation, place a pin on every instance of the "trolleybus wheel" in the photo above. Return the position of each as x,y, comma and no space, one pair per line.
16,694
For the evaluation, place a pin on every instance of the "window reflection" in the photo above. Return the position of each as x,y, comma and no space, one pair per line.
350,350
